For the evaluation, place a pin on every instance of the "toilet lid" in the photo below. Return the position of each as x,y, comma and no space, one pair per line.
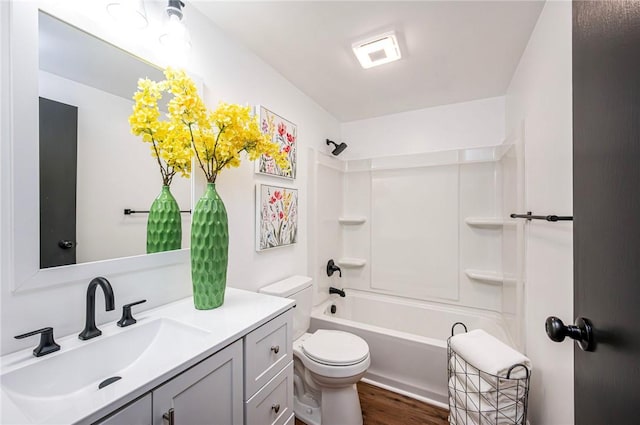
335,348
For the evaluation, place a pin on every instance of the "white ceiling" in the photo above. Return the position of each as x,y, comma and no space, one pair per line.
453,51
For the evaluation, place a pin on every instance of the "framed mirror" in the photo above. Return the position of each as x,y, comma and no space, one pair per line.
76,165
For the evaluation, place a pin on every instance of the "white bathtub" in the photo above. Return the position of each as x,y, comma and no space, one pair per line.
407,338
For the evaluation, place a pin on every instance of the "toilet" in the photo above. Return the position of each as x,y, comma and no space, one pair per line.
327,363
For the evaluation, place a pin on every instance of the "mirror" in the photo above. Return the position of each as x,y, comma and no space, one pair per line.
92,168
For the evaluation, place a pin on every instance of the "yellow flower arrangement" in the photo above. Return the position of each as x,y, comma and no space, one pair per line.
217,138
170,145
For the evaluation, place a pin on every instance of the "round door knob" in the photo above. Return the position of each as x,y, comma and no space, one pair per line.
65,244
276,407
275,349
581,332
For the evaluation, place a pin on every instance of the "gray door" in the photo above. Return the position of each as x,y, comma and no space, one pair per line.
606,186
58,156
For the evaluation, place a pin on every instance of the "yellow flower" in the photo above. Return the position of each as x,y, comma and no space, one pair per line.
169,144
217,138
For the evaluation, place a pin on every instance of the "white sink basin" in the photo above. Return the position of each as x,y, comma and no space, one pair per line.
133,353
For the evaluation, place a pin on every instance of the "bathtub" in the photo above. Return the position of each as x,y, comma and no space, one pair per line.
407,338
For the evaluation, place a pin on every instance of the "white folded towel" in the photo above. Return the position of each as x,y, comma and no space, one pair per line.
461,416
488,354
480,408
489,397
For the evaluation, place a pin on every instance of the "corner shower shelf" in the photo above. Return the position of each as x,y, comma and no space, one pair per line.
350,262
485,276
352,220
488,222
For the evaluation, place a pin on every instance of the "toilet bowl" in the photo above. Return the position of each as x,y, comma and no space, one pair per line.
334,361
327,363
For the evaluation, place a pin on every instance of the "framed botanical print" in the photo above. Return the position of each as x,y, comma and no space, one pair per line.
285,134
276,216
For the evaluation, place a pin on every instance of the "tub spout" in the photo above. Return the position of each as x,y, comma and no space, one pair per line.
340,292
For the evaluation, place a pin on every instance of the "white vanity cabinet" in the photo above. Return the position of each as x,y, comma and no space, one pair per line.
135,413
227,366
268,386
248,382
208,393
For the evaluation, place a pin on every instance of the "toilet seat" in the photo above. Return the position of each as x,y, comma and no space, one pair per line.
335,348
327,370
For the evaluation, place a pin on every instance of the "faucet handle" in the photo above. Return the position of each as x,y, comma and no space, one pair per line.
127,319
332,267
47,344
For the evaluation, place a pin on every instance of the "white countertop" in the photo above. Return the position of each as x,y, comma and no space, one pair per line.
241,313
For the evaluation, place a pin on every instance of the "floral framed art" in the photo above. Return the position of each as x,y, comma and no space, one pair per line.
276,216
285,134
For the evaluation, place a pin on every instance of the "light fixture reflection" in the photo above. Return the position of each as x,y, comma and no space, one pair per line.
175,35
130,13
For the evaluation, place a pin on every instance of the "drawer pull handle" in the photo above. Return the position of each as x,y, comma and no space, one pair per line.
169,418
275,349
276,408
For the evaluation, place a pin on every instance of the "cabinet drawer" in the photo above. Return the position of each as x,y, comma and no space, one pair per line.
266,351
273,404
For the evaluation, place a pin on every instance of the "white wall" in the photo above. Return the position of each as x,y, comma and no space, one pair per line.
540,96
229,72
460,125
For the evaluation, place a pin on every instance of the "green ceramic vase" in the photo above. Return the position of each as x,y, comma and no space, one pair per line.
164,225
209,250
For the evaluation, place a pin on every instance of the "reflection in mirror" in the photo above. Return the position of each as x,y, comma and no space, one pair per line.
91,167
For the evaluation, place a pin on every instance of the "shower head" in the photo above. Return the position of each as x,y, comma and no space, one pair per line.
338,147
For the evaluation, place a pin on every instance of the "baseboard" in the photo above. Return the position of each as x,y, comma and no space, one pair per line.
406,393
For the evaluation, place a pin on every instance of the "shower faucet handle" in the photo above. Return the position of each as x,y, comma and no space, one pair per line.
332,268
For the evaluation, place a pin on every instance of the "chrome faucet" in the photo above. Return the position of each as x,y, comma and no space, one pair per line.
340,292
90,329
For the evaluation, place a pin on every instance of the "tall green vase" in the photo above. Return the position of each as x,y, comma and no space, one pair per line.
164,225
209,250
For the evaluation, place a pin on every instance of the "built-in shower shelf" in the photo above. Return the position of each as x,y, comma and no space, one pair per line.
485,276
495,222
352,262
352,220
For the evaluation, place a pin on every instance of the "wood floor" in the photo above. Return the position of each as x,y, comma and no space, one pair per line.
382,407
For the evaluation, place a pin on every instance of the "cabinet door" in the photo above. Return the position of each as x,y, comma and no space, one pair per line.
136,413
208,393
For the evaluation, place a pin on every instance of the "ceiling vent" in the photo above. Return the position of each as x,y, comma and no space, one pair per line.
377,50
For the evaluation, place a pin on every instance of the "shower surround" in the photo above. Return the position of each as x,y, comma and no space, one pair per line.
423,241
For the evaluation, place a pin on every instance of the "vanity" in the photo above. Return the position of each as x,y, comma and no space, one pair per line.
176,365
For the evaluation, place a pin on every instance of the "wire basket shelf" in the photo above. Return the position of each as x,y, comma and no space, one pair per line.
481,398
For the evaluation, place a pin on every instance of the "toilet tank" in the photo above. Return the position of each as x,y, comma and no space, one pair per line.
297,288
